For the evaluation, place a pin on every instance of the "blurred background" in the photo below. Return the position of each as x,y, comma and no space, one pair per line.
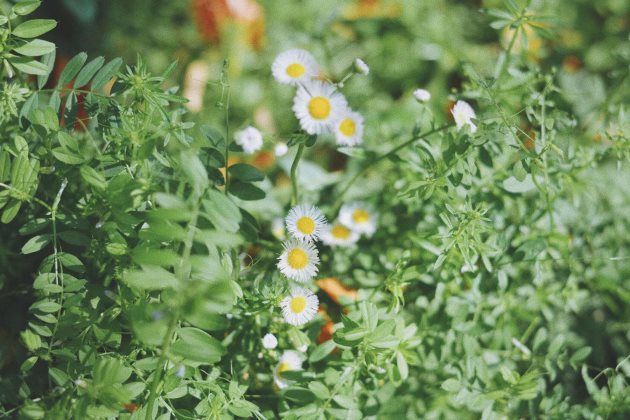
407,43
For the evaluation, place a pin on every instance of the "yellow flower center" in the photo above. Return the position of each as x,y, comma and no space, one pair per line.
283,367
295,70
297,259
319,107
298,304
340,232
347,127
306,225
360,216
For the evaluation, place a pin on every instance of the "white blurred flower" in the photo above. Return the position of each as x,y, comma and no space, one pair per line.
280,149
422,95
269,341
359,217
277,228
463,115
361,67
337,234
289,361
250,139
349,129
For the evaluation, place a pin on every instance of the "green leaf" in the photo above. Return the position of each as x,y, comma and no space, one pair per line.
35,48
35,244
513,185
90,69
58,376
320,390
71,69
246,191
195,171
451,385
150,278
49,61
108,370
222,211
66,156
106,73
93,177
46,306
30,66
196,345
10,211
31,340
245,172
24,8
34,28
322,350
579,356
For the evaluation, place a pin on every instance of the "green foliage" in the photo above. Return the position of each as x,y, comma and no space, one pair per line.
145,255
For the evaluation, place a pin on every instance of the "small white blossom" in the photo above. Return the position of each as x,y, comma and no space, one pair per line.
280,149
270,341
250,139
463,115
361,67
422,95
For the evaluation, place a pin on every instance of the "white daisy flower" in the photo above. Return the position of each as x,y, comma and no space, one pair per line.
294,66
280,149
299,260
361,67
349,129
277,228
290,360
463,115
305,222
422,95
269,341
250,139
318,105
299,307
359,217
339,235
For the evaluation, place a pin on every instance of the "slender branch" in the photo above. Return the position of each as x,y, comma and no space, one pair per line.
26,196
386,155
157,378
508,53
294,166
225,86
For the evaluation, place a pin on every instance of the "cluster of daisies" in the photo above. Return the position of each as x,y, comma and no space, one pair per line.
299,261
318,104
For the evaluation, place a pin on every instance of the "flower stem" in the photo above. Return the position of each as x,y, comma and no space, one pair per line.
294,166
161,365
392,152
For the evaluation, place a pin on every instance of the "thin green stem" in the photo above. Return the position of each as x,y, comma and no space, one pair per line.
386,155
26,196
294,166
508,53
225,86
157,378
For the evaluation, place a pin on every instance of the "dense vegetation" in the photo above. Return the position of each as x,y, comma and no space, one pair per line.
360,209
